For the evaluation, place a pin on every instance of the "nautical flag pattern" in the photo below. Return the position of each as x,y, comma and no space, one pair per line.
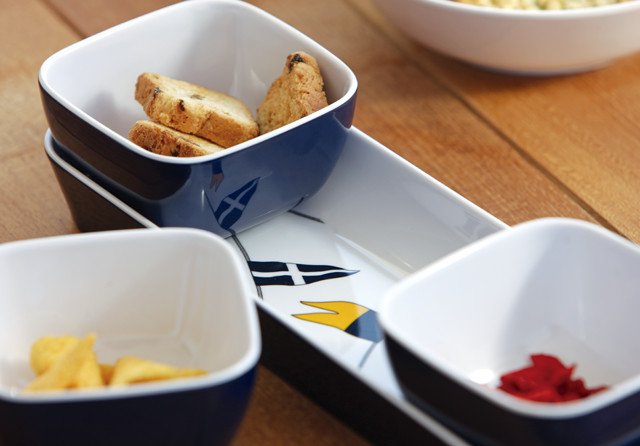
293,274
354,319
233,205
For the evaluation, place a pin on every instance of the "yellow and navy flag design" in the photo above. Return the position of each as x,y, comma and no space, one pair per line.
293,274
233,205
354,319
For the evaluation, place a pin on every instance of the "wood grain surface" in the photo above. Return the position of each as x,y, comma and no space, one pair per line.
519,147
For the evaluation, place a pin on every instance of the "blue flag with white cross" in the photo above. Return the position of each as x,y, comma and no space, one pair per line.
293,274
233,205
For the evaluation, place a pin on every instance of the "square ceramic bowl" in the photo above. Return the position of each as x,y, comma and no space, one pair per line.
554,286
178,296
88,89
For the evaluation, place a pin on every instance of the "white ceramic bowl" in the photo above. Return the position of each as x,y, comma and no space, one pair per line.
555,286
180,296
519,41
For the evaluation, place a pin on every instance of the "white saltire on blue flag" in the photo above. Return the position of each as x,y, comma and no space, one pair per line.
233,205
293,274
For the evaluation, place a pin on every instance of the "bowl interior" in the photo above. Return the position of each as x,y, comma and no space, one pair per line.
175,296
229,46
558,287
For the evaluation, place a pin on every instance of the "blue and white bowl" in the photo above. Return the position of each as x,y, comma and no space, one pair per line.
88,95
554,286
92,207
178,296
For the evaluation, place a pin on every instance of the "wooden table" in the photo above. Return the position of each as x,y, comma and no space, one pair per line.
521,148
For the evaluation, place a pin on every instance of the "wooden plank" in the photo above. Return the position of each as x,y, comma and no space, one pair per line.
32,204
90,17
584,130
23,50
278,415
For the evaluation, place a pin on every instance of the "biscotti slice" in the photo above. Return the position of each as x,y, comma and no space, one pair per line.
197,110
163,140
296,93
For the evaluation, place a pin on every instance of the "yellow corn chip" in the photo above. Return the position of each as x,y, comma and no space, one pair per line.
64,372
66,362
130,370
106,370
48,349
89,375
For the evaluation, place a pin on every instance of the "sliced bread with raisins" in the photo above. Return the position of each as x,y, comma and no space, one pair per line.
196,110
163,140
296,93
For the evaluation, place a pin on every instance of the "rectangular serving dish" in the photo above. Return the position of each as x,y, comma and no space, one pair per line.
321,271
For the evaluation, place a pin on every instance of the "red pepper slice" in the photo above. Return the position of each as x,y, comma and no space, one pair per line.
548,380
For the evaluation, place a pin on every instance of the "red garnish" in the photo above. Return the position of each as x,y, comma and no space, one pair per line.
547,380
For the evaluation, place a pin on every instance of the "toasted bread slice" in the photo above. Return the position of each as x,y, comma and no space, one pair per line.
163,140
196,110
297,92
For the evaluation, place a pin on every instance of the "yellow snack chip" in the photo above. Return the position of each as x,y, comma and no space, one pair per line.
64,373
89,374
131,370
48,349
106,370
66,362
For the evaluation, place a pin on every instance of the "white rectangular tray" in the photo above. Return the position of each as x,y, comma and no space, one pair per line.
322,269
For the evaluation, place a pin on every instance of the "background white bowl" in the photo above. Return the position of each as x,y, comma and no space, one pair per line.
519,41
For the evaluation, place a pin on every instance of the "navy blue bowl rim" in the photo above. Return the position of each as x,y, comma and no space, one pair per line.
480,420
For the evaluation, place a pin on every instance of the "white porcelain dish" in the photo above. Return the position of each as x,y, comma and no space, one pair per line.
556,286
178,296
521,41
339,252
